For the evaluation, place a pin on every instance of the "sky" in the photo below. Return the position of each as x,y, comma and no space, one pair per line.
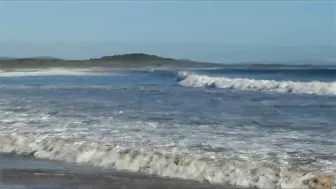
221,31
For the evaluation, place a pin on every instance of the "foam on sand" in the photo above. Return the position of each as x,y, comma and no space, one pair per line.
169,164
315,87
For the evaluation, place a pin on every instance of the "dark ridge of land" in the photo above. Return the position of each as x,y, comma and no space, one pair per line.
133,60
134,57
141,60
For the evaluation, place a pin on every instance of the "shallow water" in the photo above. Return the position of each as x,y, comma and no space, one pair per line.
183,126
29,173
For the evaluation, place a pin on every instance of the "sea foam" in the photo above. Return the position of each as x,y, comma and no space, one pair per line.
50,72
189,79
168,164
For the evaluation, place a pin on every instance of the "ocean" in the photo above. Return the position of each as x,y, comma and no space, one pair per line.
264,127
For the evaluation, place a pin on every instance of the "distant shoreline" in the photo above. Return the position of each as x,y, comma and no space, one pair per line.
134,60
137,60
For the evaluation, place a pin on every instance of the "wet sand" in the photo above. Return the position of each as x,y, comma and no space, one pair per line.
28,173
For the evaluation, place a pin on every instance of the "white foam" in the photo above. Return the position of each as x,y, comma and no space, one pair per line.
314,87
167,164
221,142
140,147
223,154
50,72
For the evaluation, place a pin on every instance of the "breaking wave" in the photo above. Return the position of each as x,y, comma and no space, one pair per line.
189,79
167,164
52,72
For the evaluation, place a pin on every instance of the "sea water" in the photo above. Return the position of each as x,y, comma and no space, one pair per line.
250,127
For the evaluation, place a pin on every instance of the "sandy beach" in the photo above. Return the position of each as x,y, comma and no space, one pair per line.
25,172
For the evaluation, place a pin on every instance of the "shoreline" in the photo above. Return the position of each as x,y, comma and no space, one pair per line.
159,169
34,173
20,171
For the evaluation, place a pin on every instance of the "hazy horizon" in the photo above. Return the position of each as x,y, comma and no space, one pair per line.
203,31
201,52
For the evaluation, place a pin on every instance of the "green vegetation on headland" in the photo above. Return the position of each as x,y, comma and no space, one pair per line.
141,60
134,57
133,60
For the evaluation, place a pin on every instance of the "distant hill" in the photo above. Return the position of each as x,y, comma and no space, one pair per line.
132,60
134,57
44,58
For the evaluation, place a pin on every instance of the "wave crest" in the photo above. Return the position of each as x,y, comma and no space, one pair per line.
53,72
315,87
171,164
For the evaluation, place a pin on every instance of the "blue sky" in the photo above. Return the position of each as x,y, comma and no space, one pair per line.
204,30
